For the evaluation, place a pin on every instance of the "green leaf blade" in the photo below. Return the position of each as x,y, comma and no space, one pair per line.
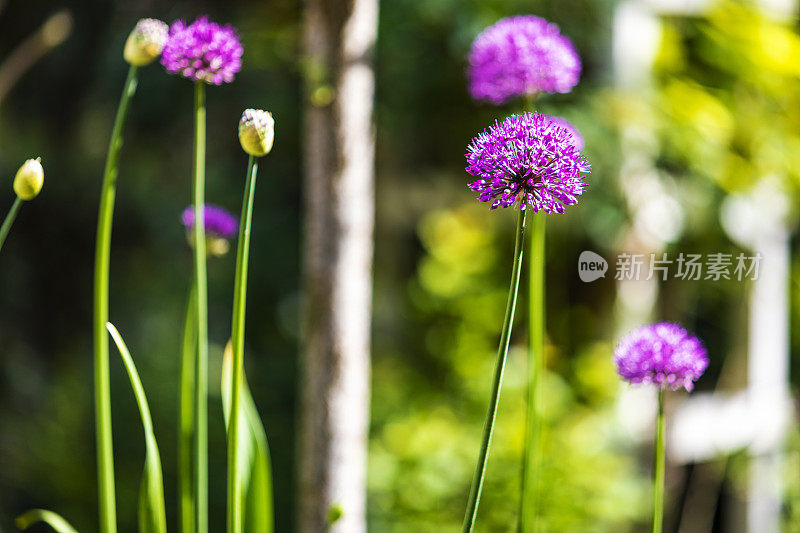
54,520
254,459
152,513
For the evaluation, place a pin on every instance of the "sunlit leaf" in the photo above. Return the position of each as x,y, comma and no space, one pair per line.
26,520
255,467
152,517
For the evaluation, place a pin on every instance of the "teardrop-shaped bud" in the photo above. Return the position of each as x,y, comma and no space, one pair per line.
256,132
145,42
29,179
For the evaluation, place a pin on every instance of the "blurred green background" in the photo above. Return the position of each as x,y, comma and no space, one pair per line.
724,109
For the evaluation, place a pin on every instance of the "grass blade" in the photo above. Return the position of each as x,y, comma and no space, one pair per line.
152,517
186,492
254,459
34,516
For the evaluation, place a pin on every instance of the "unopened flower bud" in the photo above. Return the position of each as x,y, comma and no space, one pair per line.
145,42
256,132
29,179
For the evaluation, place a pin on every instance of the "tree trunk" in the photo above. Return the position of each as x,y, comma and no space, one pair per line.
338,248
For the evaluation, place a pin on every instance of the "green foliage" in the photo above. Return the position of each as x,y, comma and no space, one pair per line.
50,518
152,517
792,515
254,459
427,429
726,104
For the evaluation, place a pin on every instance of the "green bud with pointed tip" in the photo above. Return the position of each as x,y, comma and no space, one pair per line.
29,179
256,132
145,42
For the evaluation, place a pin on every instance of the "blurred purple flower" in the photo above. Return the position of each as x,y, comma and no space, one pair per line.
521,56
219,222
529,158
577,138
664,354
203,51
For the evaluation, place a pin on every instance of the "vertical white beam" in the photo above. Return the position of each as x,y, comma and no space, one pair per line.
635,40
768,366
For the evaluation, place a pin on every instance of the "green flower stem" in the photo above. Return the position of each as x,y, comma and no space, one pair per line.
12,214
659,467
237,341
529,102
102,387
186,431
494,400
531,470
201,309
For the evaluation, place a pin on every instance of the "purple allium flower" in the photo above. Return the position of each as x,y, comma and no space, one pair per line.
664,354
219,222
529,158
203,51
521,56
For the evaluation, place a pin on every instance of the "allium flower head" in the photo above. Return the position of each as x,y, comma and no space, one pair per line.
256,132
664,354
203,51
527,158
145,42
521,56
29,179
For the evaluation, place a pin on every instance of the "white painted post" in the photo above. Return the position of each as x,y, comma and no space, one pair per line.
759,221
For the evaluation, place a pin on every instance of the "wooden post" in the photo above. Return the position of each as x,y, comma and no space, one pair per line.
338,249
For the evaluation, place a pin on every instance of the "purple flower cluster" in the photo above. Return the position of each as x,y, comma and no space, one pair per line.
521,56
528,158
664,354
219,222
203,51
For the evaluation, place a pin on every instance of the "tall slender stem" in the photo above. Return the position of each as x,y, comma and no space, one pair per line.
201,309
102,386
531,471
529,103
186,431
659,467
237,341
494,399
12,214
